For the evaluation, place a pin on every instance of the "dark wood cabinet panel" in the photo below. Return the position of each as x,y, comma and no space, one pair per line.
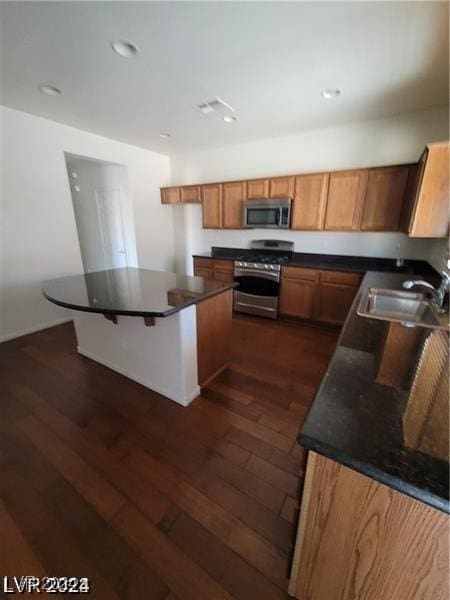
308,211
346,191
234,194
212,206
213,325
333,302
203,272
384,198
297,297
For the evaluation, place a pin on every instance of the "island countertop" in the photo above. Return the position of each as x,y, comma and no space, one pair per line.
376,413
131,291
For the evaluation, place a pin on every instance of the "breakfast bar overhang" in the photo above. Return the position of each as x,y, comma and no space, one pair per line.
166,331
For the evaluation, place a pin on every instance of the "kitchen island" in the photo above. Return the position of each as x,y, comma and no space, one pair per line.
160,329
374,510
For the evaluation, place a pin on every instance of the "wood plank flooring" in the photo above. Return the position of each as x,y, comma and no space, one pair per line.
102,478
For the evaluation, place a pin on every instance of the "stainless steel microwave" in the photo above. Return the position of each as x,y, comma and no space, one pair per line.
267,213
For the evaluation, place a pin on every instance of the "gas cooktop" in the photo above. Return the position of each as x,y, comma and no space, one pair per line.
264,258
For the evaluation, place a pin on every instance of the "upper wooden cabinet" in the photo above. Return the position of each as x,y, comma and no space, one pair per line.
170,195
212,206
346,193
410,198
308,211
428,209
190,194
257,188
384,198
282,187
234,193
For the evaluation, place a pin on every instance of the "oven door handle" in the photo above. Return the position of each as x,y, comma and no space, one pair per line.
253,306
275,275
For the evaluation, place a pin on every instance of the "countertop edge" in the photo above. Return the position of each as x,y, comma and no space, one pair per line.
139,313
390,481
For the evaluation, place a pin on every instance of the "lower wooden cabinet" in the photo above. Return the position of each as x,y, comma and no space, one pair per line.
210,268
324,296
333,301
297,298
358,538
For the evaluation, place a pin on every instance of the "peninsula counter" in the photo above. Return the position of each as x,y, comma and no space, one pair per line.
168,332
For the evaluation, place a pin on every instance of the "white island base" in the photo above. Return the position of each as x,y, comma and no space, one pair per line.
162,357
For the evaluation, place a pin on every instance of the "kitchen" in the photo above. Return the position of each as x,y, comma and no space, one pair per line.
256,405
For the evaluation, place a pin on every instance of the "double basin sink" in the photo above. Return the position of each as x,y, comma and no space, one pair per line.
409,308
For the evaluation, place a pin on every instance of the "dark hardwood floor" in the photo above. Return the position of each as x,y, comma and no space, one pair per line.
102,478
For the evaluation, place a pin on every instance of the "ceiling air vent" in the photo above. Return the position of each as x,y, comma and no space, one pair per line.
215,107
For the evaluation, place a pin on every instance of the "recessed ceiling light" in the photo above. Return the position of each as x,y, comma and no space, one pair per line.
165,135
229,118
124,48
50,90
329,94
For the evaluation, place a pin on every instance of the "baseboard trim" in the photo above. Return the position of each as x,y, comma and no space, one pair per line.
148,384
35,329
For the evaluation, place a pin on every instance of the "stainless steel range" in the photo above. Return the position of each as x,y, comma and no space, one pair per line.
258,273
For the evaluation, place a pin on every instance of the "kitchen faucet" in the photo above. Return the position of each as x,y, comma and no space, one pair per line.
438,294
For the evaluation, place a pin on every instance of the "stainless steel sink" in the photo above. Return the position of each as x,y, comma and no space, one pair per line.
409,308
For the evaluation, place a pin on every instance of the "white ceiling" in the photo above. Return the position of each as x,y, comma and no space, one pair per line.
269,60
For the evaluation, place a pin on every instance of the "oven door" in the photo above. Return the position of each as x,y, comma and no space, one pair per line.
257,293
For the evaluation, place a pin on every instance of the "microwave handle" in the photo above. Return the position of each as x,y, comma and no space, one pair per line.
280,216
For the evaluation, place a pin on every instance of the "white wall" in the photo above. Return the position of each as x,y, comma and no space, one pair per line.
39,238
393,140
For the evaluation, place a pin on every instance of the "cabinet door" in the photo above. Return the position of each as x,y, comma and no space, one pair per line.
212,206
310,201
190,194
346,191
233,195
257,188
203,272
223,270
430,215
384,198
297,297
282,187
170,195
333,302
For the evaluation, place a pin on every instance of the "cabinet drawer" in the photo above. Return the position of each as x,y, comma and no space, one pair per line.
203,262
340,277
300,273
224,265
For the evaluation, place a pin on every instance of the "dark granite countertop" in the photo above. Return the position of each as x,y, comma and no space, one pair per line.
359,264
131,291
373,427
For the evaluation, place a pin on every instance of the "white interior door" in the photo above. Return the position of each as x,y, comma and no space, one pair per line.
109,212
